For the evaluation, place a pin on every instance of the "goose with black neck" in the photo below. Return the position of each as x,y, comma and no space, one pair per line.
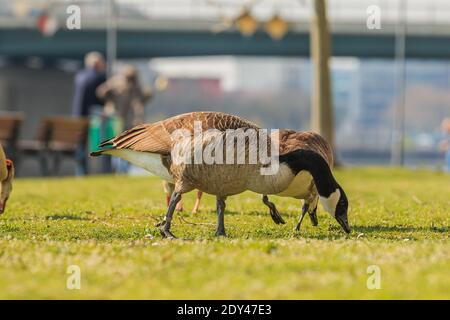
155,148
331,194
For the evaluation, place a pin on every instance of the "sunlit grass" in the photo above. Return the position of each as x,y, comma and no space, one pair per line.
106,225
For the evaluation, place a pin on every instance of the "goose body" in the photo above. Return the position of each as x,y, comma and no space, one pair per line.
230,180
158,146
299,187
304,169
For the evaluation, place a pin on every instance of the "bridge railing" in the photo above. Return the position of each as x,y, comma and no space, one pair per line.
433,15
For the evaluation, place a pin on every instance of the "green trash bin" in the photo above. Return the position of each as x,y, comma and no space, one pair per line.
103,128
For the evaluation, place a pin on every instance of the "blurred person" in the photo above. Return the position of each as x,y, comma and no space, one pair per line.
125,97
445,144
86,103
86,83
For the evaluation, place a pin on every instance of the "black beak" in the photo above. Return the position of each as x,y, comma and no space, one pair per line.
343,221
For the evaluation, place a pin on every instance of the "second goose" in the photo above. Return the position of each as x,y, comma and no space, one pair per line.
6,179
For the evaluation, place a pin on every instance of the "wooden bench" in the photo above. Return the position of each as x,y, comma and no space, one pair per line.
57,138
10,124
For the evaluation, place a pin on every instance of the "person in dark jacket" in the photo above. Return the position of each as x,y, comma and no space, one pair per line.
86,83
86,102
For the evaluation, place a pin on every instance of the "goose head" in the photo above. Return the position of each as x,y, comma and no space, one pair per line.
336,204
331,194
6,185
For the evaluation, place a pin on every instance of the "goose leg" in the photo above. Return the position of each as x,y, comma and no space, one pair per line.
276,217
167,200
220,218
311,209
197,202
179,206
168,189
304,211
313,216
164,228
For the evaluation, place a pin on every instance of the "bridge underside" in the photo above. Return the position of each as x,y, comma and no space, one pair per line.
23,43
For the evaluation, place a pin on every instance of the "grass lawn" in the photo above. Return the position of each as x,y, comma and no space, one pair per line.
400,222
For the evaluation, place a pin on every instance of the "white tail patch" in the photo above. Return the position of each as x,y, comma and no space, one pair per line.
151,162
331,202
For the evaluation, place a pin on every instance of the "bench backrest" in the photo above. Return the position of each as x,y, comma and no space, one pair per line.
65,130
10,124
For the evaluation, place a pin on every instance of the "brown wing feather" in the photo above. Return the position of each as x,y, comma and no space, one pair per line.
291,140
156,137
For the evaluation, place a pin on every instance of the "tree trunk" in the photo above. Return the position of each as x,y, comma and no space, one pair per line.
322,117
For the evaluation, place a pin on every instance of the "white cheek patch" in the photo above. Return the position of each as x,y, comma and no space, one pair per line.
330,203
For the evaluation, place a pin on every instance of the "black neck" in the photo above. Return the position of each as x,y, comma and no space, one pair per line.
316,165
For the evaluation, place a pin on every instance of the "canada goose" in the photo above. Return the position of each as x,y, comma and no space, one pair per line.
6,178
160,142
303,186
152,147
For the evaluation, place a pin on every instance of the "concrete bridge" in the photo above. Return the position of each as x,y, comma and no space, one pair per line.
158,28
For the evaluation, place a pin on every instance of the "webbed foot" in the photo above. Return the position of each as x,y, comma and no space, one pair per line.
165,231
313,217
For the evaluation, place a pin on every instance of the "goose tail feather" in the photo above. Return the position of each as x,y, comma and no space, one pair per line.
107,143
100,152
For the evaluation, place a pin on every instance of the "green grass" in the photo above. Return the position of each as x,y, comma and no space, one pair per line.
400,223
